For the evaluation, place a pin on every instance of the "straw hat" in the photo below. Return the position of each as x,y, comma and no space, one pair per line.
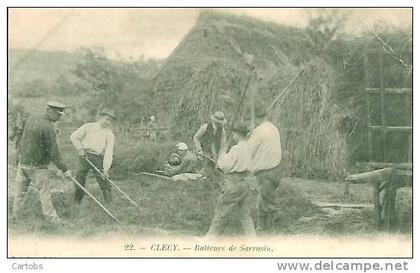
219,117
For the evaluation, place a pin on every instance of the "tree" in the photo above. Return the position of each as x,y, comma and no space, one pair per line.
119,84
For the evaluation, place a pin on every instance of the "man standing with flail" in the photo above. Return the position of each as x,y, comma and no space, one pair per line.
95,142
265,149
37,148
236,194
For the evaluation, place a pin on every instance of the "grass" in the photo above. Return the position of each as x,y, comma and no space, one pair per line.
186,208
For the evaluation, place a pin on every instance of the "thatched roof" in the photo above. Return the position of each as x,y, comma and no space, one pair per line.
208,71
225,38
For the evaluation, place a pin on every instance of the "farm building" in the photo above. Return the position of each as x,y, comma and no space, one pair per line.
322,107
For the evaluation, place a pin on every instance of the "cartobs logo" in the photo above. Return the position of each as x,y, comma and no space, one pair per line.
27,266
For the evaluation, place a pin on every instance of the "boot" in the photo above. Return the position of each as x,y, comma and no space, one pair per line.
217,227
107,196
248,227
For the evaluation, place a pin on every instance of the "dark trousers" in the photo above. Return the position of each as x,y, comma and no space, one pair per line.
234,201
83,168
268,181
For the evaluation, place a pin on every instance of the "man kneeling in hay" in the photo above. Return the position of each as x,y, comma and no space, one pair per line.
183,164
235,198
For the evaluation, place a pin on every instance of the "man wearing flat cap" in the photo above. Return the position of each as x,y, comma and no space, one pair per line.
37,149
95,141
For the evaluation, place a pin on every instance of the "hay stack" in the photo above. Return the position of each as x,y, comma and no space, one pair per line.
212,54
308,118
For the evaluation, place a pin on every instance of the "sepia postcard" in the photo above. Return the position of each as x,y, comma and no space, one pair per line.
210,132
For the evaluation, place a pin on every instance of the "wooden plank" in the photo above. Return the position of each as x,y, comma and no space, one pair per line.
368,106
371,90
341,205
377,165
371,177
404,173
390,128
383,113
388,213
377,205
145,129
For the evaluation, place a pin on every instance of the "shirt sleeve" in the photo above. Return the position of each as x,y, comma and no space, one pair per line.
51,147
254,143
227,161
77,136
109,152
197,137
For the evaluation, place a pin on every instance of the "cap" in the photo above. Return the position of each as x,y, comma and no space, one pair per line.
57,106
108,112
182,146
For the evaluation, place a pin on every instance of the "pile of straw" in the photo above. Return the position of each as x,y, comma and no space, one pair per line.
216,74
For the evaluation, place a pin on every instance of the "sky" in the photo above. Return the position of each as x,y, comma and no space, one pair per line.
153,33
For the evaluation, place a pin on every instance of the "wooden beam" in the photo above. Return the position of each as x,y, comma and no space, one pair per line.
368,106
341,205
371,90
383,112
407,173
391,128
377,204
377,165
371,177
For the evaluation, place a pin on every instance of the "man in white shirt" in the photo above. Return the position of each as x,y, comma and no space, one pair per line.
265,148
95,141
235,197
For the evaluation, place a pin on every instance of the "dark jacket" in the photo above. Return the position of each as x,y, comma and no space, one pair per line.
189,164
38,145
210,138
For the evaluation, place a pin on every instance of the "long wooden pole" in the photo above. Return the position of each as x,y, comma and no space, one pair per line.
238,108
252,99
284,89
154,175
113,184
95,200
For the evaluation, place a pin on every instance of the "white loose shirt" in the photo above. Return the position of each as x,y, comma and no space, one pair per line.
265,147
95,139
237,160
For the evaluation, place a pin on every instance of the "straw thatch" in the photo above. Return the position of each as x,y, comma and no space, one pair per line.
208,72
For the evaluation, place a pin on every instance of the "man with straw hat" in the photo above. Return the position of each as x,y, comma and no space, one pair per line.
37,148
208,138
95,141
234,200
265,149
